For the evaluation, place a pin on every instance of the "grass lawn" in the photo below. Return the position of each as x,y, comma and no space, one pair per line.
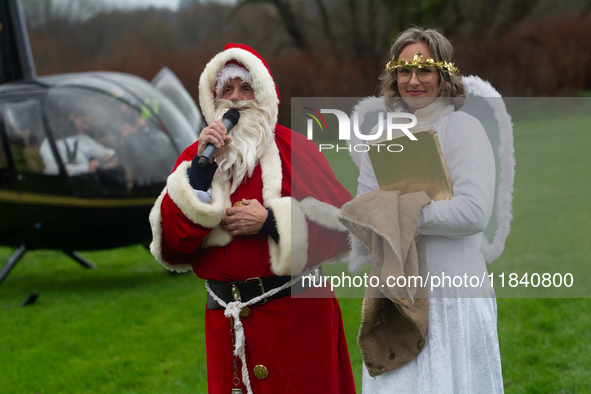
130,327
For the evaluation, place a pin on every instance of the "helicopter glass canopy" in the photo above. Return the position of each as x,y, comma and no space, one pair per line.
168,84
112,140
155,103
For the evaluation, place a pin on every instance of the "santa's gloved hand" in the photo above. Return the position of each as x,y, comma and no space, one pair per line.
200,178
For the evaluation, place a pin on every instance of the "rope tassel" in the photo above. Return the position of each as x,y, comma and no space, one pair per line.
233,311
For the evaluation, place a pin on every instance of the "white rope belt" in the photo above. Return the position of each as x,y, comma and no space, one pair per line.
233,311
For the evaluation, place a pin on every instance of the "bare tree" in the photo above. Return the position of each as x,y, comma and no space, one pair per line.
41,12
288,19
325,20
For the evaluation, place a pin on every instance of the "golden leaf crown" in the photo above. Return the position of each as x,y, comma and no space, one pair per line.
419,61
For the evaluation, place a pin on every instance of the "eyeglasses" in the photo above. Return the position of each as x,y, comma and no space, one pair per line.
424,74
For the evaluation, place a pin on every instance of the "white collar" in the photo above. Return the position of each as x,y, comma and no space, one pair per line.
427,115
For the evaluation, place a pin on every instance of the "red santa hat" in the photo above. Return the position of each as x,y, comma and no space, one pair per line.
242,61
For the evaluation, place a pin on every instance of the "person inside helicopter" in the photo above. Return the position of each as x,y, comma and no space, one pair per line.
80,153
145,152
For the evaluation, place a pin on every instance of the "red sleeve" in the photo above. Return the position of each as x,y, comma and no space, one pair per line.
180,221
180,233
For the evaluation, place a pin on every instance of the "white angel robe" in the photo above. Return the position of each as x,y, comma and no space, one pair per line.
461,353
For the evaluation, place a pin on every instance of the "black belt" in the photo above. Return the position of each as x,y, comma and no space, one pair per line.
254,287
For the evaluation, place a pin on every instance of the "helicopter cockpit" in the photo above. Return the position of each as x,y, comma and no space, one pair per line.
83,156
106,133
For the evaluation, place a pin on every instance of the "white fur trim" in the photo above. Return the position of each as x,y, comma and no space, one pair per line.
272,172
504,190
229,72
262,82
155,246
183,195
217,237
322,214
290,256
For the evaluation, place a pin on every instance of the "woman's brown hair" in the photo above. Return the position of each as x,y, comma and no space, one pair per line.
450,85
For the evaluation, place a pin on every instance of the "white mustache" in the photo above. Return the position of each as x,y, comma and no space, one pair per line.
245,104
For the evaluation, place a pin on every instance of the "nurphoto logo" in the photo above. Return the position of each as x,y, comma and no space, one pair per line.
390,119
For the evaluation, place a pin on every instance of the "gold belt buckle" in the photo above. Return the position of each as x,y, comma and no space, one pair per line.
260,285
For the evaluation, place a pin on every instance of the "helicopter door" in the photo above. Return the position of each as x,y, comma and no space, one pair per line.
25,134
25,188
26,140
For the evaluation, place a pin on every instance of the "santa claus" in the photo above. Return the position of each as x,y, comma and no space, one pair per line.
259,214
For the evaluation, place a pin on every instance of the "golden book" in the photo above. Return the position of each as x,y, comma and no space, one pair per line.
419,165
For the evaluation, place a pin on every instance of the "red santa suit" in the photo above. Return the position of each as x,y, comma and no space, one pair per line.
300,341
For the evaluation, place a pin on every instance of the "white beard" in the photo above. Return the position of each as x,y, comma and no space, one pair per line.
250,137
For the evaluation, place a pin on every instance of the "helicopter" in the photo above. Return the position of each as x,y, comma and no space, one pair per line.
83,156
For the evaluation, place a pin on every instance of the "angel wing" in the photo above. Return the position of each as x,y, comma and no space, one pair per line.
487,105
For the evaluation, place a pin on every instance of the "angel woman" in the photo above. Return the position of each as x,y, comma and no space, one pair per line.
461,349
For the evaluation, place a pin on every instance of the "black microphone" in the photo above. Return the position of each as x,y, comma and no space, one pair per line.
230,119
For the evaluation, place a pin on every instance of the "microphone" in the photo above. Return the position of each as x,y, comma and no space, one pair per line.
230,119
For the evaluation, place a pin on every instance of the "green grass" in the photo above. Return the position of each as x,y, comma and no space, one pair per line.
552,206
545,345
127,327
130,327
